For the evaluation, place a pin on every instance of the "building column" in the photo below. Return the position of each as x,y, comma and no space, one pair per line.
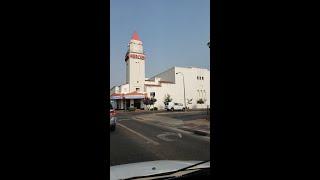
131,102
142,105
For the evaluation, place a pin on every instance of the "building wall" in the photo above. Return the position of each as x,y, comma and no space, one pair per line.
124,88
135,68
136,71
167,75
113,90
194,88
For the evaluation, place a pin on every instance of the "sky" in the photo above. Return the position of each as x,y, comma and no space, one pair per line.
173,33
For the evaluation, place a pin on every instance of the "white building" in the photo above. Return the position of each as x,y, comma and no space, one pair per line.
195,82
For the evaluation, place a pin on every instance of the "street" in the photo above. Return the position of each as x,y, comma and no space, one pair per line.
137,141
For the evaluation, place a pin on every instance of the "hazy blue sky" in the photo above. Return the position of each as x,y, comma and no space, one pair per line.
173,32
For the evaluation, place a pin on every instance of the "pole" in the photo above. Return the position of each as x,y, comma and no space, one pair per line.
184,93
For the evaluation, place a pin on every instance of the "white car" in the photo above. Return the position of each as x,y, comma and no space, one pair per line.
171,106
163,169
113,118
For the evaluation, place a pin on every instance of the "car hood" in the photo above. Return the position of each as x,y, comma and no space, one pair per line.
146,168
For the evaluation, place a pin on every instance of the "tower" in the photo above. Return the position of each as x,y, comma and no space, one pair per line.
135,65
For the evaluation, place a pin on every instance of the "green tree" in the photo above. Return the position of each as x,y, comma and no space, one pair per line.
149,101
167,98
153,100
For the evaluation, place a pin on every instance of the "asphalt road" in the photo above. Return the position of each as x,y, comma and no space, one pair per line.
185,116
135,141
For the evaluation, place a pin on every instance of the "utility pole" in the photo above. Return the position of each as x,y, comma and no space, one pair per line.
184,90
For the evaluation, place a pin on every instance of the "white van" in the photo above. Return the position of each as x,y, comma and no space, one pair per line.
171,106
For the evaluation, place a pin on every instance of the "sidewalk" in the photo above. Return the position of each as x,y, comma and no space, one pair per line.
197,126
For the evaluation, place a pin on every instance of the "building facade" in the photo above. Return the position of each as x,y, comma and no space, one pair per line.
187,85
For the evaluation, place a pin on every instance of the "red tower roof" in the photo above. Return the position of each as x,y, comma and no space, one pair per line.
135,36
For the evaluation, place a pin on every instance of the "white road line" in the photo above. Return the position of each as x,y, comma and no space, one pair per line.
205,138
138,134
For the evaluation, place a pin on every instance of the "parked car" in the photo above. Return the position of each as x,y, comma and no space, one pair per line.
113,118
171,106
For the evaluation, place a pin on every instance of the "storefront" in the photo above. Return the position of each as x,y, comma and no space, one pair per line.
125,101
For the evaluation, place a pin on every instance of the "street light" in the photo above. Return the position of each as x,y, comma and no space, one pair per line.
184,90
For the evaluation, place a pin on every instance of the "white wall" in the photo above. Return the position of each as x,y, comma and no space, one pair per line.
136,73
176,91
135,68
124,88
115,89
194,88
167,75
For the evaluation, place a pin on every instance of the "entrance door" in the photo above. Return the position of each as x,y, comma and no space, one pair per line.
127,103
137,103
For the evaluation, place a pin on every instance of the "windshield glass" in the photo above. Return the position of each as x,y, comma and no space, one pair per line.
160,85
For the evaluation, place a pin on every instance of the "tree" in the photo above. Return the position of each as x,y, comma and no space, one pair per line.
152,101
167,98
149,101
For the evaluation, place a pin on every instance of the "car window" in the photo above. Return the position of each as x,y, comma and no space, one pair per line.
176,104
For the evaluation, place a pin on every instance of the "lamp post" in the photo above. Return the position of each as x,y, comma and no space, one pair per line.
184,90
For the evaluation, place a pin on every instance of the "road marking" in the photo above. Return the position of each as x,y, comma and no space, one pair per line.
205,138
165,135
138,134
123,119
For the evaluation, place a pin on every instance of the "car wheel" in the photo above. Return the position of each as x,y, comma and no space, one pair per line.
172,109
183,109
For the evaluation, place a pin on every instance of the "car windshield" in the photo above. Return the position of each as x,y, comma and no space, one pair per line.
159,86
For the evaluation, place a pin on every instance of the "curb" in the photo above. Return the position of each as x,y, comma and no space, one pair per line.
198,132
202,133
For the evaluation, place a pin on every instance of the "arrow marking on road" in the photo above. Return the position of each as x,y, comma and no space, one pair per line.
165,135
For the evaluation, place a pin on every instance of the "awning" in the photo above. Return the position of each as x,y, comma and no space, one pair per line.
134,96
116,96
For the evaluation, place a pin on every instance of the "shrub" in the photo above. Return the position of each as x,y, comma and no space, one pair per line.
200,101
154,109
167,98
132,109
